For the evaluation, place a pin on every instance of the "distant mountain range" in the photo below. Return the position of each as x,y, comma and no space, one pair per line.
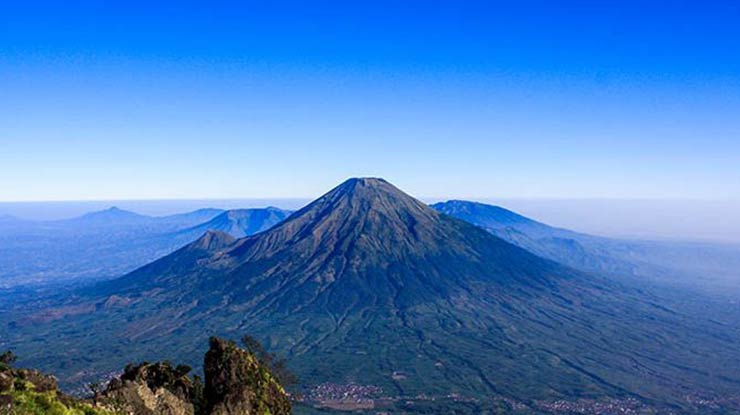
571,248
111,217
52,252
115,217
367,285
708,267
110,242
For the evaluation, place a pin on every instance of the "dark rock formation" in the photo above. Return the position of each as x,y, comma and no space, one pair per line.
39,381
26,379
236,383
151,389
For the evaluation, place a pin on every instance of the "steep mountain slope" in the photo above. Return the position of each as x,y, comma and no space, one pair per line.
363,231
369,285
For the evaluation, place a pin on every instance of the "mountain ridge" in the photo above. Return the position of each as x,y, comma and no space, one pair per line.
711,269
242,222
111,214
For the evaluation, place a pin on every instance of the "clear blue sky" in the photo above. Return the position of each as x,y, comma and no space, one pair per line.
612,99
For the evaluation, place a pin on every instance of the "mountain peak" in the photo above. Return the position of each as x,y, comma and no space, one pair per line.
366,236
116,211
370,211
212,241
365,181
113,213
365,194
363,186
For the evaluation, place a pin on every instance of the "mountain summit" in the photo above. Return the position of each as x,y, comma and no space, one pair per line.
110,216
368,285
363,242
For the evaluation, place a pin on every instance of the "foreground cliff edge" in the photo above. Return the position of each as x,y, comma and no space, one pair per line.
236,382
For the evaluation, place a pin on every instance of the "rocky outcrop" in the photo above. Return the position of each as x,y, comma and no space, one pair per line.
151,389
7,381
37,380
236,383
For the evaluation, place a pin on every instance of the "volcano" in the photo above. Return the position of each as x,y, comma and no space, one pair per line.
368,285
364,242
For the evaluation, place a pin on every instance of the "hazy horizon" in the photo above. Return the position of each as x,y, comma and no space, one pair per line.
658,219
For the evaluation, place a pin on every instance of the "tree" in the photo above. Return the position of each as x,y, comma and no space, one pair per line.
278,366
8,358
199,400
95,389
252,345
182,370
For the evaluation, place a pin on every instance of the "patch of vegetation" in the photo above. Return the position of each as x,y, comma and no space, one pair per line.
29,402
21,396
242,382
7,359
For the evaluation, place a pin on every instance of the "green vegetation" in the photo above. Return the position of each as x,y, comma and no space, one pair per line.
27,392
29,402
7,359
244,384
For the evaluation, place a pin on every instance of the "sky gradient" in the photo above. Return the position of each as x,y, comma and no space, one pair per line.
482,100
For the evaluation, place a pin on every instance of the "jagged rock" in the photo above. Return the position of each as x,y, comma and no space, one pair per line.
6,381
236,383
151,389
39,382
6,404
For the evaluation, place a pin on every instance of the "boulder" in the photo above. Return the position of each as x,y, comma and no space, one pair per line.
6,381
150,389
36,380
